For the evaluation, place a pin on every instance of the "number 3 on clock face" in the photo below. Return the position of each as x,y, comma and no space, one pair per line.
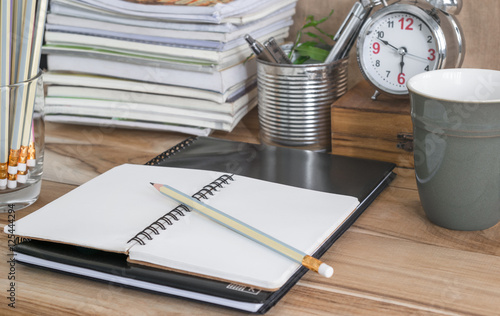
402,40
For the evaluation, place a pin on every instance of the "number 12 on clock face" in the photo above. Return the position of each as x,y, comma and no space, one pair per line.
396,48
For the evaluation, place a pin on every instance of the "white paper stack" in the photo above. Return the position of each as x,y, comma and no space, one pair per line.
162,64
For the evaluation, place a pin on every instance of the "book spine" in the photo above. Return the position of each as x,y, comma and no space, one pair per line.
170,152
174,215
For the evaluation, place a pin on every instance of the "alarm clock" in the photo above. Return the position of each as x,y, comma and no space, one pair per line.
404,39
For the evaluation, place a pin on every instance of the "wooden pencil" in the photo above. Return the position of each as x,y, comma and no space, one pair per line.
5,46
24,11
246,230
36,48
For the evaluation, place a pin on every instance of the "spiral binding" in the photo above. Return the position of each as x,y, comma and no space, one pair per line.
174,215
172,151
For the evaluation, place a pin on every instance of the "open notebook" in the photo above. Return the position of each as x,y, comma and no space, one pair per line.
110,210
303,198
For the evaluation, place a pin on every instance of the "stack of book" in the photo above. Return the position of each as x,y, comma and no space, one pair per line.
162,64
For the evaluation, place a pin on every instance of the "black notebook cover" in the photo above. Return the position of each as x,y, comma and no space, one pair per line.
364,179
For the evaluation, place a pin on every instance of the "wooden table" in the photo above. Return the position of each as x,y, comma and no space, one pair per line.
392,261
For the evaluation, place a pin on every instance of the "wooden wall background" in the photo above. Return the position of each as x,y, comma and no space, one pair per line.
479,20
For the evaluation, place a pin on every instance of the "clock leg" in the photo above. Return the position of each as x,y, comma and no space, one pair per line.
375,95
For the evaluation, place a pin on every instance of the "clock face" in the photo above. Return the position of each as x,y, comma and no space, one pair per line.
394,48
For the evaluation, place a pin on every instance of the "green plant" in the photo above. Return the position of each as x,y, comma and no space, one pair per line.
309,49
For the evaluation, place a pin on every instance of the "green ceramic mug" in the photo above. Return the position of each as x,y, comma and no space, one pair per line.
456,125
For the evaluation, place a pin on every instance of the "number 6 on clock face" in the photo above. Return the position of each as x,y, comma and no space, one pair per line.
402,40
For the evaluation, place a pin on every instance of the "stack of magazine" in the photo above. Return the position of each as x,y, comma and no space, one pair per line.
178,65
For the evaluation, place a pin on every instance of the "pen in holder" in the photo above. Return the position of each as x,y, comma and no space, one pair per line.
295,101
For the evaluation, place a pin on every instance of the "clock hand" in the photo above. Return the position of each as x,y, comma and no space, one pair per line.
387,43
402,63
397,49
417,57
402,52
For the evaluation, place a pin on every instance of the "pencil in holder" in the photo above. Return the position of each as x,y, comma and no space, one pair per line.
295,102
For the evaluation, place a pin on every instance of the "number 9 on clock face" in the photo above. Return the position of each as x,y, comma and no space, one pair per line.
399,42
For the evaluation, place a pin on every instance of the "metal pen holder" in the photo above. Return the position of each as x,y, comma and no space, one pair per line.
295,102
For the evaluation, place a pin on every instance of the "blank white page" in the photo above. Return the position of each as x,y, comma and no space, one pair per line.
107,211
301,218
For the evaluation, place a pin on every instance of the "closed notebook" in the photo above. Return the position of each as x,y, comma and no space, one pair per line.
119,211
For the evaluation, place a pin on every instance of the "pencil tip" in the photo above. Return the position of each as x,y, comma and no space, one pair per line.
156,185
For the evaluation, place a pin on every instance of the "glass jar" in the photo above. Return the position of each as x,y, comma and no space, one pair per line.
22,125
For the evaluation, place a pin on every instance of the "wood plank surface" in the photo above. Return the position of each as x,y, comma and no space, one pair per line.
393,261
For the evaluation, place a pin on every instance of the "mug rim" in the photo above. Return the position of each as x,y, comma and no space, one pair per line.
412,90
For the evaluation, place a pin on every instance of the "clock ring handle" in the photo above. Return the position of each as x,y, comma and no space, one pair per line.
449,6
